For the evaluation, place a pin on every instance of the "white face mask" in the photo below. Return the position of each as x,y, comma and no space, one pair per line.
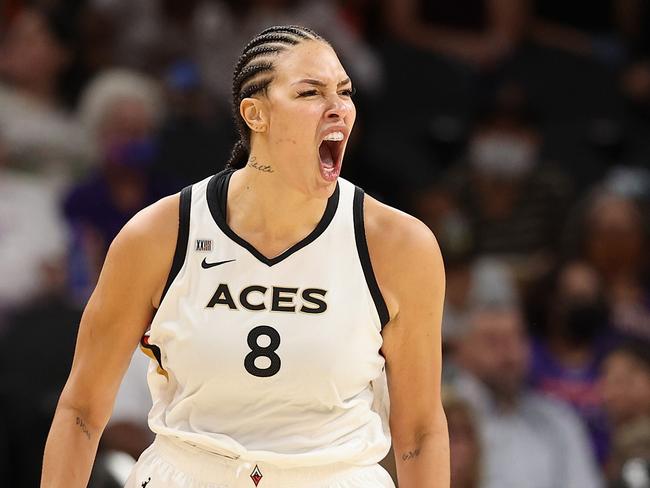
502,155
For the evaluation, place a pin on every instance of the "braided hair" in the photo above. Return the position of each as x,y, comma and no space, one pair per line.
254,72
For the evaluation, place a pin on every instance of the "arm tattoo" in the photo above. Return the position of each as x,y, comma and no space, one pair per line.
84,428
410,455
264,168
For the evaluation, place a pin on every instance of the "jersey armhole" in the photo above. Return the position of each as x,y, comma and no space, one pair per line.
364,257
183,236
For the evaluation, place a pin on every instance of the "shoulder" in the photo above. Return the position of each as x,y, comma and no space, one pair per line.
397,230
553,410
144,249
404,252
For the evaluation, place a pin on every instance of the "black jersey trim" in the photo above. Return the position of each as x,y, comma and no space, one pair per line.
364,257
184,208
217,195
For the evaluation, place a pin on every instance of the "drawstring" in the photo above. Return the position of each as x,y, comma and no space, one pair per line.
247,466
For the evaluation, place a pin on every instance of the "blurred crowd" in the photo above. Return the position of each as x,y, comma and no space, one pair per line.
518,130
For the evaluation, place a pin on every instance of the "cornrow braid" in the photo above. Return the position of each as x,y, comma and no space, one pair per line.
253,73
249,72
302,32
268,38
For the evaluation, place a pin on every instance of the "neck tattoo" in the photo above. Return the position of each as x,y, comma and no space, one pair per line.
264,168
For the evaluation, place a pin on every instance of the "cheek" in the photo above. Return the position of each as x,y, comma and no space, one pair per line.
641,390
352,113
296,126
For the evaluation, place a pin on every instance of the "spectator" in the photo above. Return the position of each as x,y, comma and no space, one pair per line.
442,54
32,235
465,445
40,136
630,460
481,33
121,110
568,351
472,281
477,283
563,26
211,34
514,203
194,143
464,442
614,242
35,357
626,383
626,392
570,68
529,441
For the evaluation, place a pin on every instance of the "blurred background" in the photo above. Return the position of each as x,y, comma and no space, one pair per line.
517,130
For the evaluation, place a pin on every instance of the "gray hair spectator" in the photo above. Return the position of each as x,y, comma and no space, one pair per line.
121,111
529,441
118,105
482,282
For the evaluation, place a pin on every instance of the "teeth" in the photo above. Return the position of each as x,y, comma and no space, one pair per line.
334,136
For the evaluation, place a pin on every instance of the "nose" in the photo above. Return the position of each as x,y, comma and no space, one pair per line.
337,109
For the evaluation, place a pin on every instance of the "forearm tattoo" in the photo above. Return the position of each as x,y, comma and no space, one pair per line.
264,168
410,455
84,428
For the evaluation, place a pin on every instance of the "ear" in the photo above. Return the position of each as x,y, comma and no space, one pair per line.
253,112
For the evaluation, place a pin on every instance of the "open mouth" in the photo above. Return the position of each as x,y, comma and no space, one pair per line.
330,153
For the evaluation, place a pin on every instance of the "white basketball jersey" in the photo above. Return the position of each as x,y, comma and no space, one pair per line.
275,360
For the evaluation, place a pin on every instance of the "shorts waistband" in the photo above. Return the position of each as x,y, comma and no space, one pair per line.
215,468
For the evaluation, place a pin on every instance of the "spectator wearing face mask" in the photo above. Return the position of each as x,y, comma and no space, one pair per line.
515,206
569,349
625,383
529,441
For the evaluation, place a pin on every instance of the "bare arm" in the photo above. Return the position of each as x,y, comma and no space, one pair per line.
506,22
626,14
116,316
410,272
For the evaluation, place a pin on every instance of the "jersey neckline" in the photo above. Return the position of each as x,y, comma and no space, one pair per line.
217,196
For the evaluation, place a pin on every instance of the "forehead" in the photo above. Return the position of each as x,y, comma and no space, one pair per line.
309,59
497,321
579,279
624,361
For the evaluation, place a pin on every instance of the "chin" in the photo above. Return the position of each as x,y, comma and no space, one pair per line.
323,189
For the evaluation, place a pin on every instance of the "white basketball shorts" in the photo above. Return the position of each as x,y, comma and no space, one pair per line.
169,463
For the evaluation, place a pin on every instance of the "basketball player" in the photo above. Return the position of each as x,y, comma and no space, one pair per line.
279,304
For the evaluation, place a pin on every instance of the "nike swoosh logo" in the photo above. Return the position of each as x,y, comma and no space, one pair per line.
206,265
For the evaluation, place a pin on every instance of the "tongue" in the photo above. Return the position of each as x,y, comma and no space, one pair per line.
326,156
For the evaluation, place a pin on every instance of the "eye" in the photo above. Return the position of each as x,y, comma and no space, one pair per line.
308,93
348,92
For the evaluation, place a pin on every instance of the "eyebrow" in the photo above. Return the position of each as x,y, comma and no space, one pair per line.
311,81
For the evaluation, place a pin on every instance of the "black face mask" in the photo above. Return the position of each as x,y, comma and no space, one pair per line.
584,321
